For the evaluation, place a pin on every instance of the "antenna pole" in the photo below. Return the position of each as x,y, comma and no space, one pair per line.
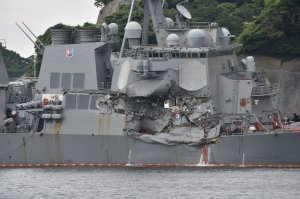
34,66
25,33
145,24
33,34
38,47
124,38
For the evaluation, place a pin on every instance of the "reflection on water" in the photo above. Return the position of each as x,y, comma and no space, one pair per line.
141,182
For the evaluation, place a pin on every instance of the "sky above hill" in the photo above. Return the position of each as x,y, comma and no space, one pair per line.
39,15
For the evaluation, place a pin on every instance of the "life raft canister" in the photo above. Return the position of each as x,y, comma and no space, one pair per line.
243,102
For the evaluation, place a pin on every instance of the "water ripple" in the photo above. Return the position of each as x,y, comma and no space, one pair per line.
136,182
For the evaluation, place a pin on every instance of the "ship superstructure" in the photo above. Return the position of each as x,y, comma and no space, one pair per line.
185,101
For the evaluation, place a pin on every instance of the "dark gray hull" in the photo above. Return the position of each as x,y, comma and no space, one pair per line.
249,150
257,149
17,148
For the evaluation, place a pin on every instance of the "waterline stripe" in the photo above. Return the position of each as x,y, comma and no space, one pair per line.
153,165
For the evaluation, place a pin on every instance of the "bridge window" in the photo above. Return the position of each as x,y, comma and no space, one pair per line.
71,101
54,80
175,54
78,80
194,55
93,102
83,102
66,80
202,55
183,55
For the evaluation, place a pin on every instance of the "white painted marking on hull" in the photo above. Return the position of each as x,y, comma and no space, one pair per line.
129,159
243,161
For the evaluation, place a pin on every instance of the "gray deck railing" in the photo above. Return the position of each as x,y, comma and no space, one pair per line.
272,89
183,25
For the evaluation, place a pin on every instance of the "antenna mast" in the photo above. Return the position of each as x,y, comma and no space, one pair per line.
40,46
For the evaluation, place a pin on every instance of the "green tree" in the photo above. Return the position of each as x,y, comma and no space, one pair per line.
276,31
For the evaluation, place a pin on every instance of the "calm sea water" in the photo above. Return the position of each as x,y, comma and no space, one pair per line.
133,182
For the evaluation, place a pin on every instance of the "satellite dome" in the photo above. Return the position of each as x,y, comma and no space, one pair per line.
250,64
226,32
105,27
133,30
172,40
113,29
170,22
195,38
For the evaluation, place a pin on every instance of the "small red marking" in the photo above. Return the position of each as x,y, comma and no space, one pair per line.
243,102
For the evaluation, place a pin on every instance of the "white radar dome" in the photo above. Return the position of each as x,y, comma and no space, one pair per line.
250,64
226,32
133,30
172,40
170,22
195,38
105,27
113,29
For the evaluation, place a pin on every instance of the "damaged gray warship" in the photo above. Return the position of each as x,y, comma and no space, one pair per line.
186,101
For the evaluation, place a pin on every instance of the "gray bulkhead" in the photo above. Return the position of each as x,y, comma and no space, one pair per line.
88,67
4,80
81,116
234,93
219,64
167,76
84,69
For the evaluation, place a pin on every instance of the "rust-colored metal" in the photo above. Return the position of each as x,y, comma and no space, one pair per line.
204,155
151,165
57,127
243,102
104,123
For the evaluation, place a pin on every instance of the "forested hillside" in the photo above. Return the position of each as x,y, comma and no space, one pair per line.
15,64
276,31
267,27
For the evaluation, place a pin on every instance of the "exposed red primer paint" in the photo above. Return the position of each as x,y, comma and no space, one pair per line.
204,155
